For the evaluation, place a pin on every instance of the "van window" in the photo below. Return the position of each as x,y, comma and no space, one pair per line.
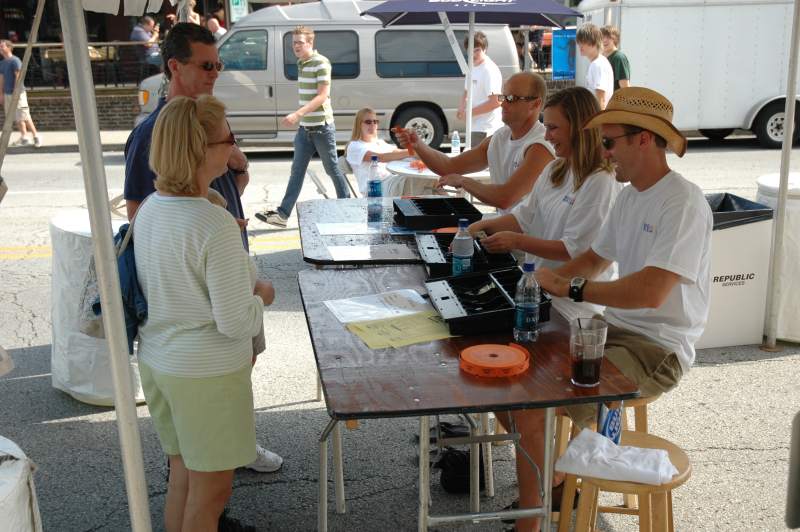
340,47
245,50
416,54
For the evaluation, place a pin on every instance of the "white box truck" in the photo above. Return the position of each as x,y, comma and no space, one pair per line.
722,63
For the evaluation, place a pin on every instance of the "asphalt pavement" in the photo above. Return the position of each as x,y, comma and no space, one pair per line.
732,413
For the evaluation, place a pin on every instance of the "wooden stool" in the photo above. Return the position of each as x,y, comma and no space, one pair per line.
565,430
655,502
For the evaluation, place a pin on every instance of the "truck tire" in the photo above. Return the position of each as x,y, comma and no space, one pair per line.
768,125
716,134
425,121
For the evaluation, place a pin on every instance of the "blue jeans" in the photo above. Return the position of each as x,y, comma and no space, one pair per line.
307,141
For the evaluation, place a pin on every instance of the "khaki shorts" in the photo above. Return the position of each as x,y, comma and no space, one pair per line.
208,420
23,112
654,369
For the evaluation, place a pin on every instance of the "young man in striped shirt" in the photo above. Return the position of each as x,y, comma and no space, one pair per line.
316,132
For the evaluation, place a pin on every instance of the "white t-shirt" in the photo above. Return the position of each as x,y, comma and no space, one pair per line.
506,155
355,156
486,80
560,213
600,76
667,226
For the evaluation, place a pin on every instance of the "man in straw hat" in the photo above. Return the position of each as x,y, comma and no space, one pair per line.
659,234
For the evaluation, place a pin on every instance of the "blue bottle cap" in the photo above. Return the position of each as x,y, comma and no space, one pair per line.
374,158
528,267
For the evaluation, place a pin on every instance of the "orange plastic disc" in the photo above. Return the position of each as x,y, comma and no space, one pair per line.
495,360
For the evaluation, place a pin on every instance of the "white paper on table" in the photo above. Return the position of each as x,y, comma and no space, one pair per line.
378,306
373,252
348,228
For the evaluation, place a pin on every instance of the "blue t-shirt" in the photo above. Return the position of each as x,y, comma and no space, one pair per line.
138,33
140,178
9,68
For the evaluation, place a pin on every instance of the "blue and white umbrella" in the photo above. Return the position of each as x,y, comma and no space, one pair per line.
511,12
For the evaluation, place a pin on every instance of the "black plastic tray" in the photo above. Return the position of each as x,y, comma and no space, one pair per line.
480,302
433,213
434,249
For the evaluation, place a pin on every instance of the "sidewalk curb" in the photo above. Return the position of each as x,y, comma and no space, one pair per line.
59,148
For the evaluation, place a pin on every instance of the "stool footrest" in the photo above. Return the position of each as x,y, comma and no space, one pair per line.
618,510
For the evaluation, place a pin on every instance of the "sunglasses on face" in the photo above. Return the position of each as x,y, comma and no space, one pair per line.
608,142
511,98
231,140
370,122
208,66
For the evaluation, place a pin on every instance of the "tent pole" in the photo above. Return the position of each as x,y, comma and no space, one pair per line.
526,44
470,66
780,215
94,177
9,119
451,38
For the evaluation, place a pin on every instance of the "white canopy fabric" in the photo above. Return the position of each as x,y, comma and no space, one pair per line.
132,8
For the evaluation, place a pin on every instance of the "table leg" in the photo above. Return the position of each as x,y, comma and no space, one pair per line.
424,474
474,468
322,510
549,431
487,456
338,469
319,388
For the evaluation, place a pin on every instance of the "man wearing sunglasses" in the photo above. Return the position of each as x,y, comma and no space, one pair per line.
659,233
515,154
191,64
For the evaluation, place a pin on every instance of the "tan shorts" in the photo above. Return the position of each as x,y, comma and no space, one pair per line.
23,112
654,369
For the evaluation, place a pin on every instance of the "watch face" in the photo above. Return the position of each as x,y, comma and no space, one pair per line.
577,282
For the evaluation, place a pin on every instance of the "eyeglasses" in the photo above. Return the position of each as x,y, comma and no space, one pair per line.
208,66
370,122
231,141
608,142
511,98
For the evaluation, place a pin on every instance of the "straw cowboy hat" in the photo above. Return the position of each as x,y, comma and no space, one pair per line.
644,108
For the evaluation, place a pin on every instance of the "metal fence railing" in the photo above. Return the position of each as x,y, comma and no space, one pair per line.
114,64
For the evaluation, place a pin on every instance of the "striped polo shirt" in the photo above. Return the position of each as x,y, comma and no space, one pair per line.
311,73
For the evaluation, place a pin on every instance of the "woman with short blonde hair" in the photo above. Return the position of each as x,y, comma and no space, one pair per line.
204,306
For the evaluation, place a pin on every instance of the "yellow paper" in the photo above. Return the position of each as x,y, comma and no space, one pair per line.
402,330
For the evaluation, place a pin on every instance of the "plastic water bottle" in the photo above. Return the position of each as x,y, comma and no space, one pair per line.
455,143
374,193
526,318
463,249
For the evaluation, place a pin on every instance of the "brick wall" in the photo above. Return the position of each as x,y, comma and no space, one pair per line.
51,110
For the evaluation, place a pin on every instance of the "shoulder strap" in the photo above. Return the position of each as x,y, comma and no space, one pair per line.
129,233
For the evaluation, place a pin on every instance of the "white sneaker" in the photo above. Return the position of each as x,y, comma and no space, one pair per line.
20,142
37,142
266,461
24,142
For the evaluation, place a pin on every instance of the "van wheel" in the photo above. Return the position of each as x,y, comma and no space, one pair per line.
425,122
768,125
716,134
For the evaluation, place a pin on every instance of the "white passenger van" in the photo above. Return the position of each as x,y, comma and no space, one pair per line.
408,74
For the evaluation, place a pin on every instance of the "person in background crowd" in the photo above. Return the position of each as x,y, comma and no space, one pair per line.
619,61
204,306
212,23
364,143
600,76
10,67
515,154
316,132
192,66
147,32
487,85
659,234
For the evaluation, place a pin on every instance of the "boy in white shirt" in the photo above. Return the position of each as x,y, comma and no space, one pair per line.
600,75
487,85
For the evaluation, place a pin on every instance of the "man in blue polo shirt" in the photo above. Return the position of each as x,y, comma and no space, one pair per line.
192,65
